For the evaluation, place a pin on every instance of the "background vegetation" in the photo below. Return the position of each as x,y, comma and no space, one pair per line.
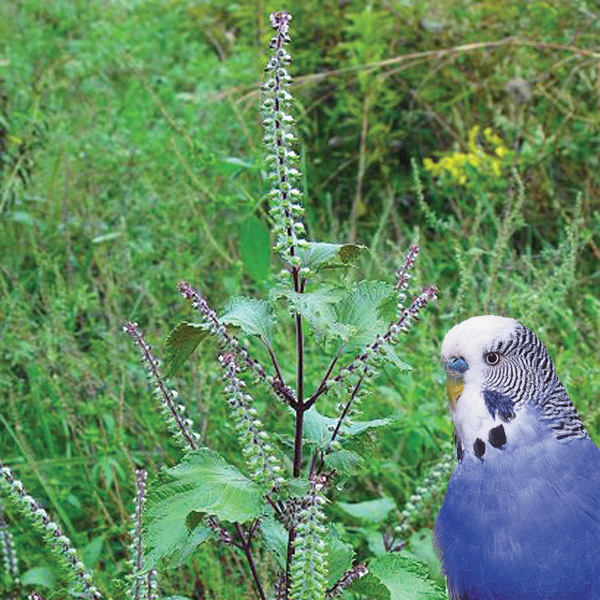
130,158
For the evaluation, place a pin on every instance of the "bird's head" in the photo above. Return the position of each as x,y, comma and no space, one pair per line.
494,367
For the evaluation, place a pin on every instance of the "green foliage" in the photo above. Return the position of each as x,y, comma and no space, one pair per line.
134,128
202,483
398,577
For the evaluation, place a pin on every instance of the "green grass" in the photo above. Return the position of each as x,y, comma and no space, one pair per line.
133,161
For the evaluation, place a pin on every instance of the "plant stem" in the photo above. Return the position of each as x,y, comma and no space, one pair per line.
246,549
300,408
323,385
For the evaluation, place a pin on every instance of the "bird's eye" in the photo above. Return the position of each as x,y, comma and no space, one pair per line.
492,358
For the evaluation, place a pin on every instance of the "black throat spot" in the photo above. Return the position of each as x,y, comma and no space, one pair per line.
479,448
497,402
497,437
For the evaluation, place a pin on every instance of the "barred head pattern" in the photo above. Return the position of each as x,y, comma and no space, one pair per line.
527,375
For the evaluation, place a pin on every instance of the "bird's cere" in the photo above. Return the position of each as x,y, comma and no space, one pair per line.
180,425
279,138
60,544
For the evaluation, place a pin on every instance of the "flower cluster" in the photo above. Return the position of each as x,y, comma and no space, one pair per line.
309,564
254,440
489,158
143,586
231,344
57,540
175,413
10,560
279,136
431,484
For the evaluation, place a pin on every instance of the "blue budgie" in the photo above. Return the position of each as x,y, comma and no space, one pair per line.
521,517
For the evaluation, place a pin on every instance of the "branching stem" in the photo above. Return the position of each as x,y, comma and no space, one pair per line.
245,545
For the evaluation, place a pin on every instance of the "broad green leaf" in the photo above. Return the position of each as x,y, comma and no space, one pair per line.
255,248
275,538
421,547
340,558
368,307
318,308
39,577
318,428
203,482
181,343
372,511
253,316
321,255
403,576
345,462
370,587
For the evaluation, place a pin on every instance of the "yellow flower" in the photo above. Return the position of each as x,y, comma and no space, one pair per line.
496,167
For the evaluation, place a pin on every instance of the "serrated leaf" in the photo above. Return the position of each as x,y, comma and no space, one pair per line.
368,307
322,255
371,511
405,578
203,482
253,316
345,462
318,428
275,539
255,248
390,355
340,556
370,587
318,308
181,343
421,547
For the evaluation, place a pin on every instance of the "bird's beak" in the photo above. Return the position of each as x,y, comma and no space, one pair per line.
455,379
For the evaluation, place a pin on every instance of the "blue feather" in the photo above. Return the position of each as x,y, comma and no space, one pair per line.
524,522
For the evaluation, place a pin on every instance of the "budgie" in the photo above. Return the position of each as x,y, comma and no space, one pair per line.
521,516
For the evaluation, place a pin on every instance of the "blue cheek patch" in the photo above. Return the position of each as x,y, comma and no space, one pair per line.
497,402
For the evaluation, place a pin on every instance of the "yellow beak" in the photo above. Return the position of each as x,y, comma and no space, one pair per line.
455,383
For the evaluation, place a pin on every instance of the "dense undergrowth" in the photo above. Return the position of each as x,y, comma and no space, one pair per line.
130,159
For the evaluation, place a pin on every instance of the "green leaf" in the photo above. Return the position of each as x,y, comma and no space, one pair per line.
389,355
203,482
345,462
403,576
253,316
321,255
181,343
275,538
255,248
39,577
368,307
340,558
318,308
370,587
317,430
90,554
421,547
372,511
